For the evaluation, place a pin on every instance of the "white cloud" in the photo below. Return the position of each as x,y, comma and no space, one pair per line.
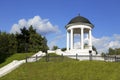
104,43
101,43
42,26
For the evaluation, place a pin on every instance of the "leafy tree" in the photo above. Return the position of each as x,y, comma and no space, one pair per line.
30,41
111,51
63,49
23,40
27,41
94,48
12,43
44,45
7,45
55,48
103,54
36,41
115,51
3,47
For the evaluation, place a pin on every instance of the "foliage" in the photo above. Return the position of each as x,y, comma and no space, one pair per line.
74,70
23,40
63,49
115,51
94,48
26,41
30,41
55,48
7,45
103,54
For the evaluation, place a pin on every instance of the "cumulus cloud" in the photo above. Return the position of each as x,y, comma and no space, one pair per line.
42,26
104,43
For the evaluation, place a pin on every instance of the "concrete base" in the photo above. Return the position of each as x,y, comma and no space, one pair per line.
84,54
80,52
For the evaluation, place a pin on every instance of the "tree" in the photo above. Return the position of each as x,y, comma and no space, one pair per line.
115,51
36,41
55,48
12,43
26,41
44,45
23,40
103,54
30,41
7,45
94,49
111,51
63,49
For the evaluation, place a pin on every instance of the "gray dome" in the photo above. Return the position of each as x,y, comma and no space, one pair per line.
80,20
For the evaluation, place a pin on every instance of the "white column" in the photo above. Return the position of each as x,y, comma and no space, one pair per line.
90,39
71,36
67,40
73,39
82,38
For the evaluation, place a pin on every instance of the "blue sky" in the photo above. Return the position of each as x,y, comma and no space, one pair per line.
104,14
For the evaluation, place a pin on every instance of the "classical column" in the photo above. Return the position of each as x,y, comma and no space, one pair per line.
82,38
67,41
71,36
90,39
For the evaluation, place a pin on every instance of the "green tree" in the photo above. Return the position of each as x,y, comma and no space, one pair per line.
30,41
94,48
115,51
44,45
36,41
103,54
55,48
111,51
12,43
22,40
3,47
7,45
63,49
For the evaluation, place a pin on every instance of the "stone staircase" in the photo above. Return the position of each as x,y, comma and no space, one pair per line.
10,67
15,64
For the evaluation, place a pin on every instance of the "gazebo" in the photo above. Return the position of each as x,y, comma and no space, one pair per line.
81,26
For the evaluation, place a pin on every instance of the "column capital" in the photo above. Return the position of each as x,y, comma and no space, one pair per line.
82,28
71,29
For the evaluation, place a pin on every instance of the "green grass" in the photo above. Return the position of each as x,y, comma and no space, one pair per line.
17,56
66,70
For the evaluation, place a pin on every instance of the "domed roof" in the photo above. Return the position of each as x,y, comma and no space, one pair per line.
80,20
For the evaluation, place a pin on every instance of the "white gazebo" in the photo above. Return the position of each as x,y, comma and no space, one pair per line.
80,26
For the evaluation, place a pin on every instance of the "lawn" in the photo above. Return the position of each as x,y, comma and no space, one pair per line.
66,70
16,56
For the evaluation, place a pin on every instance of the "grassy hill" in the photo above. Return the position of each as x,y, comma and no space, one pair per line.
66,70
17,56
